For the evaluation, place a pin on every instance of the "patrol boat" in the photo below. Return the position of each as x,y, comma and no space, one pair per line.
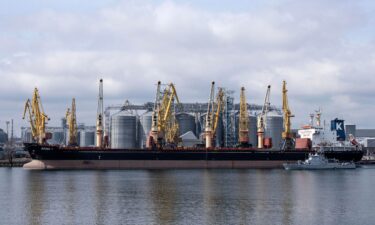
319,162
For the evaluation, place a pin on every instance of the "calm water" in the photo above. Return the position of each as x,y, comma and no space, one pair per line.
187,197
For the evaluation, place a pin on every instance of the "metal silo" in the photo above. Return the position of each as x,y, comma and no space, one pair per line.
145,127
124,130
86,138
186,123
253,140
58,137
219,134
274,128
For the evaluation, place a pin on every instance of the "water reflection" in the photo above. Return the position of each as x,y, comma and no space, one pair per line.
34,187
187,197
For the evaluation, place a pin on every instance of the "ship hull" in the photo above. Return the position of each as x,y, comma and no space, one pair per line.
57,157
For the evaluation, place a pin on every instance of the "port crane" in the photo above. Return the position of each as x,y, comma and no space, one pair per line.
164,128
99,117
287,135
243,132
213,113
71,121
262,118
37,117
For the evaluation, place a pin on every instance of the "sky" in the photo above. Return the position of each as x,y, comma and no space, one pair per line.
323,49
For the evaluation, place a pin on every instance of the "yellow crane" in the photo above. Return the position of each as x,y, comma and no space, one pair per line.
243,133
71,121
37,117
213,113
167,123
164,129
154,132
287,135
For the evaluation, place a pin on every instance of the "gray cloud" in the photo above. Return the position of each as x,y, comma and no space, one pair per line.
132,45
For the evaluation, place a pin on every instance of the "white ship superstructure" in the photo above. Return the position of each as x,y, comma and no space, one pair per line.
324,137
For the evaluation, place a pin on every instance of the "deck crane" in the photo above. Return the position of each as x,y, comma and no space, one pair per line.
164,126
209,116
99,117
287,135
71,121
243,121
167,119
213,113
37,117
262,118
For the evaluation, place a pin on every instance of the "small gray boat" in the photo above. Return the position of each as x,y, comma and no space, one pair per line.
319,162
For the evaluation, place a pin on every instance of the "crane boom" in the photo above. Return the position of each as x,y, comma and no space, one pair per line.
169,121
164,124
213,114
37,117
219,107
209,116
154,122
32,118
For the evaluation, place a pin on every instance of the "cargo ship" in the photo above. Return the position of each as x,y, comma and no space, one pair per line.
60,157
314,139
162,152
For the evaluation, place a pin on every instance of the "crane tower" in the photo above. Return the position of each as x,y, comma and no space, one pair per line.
243,121
99,117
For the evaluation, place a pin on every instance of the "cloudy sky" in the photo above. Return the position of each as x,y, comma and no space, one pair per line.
323,49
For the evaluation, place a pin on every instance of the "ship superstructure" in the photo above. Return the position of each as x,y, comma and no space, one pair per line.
327,137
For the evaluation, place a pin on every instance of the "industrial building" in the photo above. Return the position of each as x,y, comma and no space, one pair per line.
128,126
86,135
3,137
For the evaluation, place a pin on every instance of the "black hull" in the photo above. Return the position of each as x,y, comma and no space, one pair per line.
51,152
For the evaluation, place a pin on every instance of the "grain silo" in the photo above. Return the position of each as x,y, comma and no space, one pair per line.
58,137
86,138
124,130
274,128
145,127
186,123
219,134
253,140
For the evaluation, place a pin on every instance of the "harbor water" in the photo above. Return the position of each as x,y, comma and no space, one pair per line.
187,197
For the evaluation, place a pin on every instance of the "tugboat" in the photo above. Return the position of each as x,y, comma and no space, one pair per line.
319,162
